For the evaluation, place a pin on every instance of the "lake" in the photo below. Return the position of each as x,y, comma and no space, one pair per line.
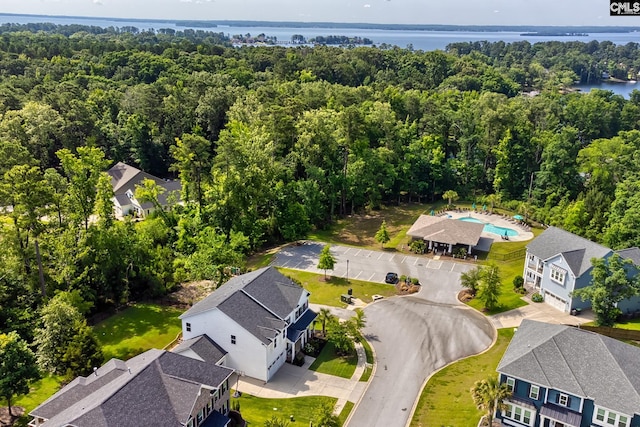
623,89
420,40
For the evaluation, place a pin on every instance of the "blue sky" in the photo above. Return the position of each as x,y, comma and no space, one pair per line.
465,12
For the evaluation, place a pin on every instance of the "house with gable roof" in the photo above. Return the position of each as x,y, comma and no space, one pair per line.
562,376
156,388
261,319
558,262
125,178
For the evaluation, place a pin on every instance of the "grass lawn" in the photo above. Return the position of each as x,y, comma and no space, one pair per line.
360,230
447,399
369,354
40,391
137,329
633,324
508,300
256,411
328,293
328,362
262,259
348,407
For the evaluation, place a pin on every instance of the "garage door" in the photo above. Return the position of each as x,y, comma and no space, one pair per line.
554,301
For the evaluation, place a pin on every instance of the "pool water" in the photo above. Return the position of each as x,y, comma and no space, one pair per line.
490,228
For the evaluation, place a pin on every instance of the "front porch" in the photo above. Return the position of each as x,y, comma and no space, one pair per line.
299,333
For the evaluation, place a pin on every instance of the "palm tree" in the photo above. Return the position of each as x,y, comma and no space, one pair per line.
492,199
489,396
324,316
450,195
471,279
358,321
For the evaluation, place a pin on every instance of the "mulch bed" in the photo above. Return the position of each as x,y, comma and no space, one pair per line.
5,419
404,289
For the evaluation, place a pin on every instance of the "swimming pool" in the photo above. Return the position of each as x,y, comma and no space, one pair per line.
490,228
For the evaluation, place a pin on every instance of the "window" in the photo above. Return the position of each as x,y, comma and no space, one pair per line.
534,392
557,274
233,339
188,327
519,413
600,414
511,383
604,417
200,416
563,400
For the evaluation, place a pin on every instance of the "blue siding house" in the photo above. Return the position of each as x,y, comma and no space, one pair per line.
562,376
558,262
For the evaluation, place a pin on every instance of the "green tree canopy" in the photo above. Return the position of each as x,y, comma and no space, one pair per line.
382,235
18,367
612,280
326,261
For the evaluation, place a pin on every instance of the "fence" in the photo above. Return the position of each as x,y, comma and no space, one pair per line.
173,343
620,334
508,256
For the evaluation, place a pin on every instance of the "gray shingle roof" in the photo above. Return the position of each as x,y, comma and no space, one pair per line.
577,250
576,361
207,349
631,253
125,177
446,230
252,316
267,286
161,385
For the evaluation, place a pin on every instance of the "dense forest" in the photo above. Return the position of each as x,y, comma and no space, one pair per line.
270,142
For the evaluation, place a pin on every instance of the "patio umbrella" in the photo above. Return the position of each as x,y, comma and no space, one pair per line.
473,206
484,207
518,217
432,212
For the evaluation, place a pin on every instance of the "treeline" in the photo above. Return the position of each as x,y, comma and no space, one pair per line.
587,61
270,142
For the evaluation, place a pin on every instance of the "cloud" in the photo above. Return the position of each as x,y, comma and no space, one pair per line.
367,5
98,2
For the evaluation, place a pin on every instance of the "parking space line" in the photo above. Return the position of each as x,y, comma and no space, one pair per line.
358,253
453,266
372,274
416,261
404,259
347,250
392,257
380,256
358,275
296,266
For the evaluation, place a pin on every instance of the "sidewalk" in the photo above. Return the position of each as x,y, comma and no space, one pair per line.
297,381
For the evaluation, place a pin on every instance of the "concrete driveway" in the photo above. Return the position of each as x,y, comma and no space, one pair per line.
412,336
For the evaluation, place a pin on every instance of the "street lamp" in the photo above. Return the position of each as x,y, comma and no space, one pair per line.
347,271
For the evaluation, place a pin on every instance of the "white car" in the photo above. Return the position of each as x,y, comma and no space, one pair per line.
376,297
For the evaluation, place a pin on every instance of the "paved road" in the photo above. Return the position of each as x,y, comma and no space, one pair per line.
412,336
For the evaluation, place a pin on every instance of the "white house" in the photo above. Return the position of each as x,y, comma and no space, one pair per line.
261,319
125,178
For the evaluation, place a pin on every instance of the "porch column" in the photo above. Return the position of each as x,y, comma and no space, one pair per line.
430,244
450,248
469,253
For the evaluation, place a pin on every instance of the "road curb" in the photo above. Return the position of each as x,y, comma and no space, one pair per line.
374,367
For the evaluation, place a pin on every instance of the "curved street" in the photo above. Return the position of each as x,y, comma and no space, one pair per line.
413,336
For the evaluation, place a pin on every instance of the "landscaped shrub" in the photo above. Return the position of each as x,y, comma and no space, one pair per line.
537,297
415,281
518,282
403,278
299,359
418,246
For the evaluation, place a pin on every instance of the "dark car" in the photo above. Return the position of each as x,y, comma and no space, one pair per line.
391,278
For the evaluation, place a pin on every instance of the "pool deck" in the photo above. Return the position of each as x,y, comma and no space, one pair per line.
497,220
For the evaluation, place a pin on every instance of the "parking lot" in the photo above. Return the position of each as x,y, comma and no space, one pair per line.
363,264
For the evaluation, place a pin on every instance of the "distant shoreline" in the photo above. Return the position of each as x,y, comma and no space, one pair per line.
535,30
